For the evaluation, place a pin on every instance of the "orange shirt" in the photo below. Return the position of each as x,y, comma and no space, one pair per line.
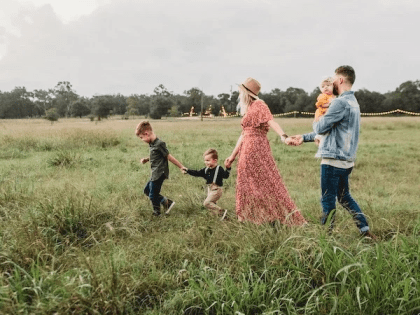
323,101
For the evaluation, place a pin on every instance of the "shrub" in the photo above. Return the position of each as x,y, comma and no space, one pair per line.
51,114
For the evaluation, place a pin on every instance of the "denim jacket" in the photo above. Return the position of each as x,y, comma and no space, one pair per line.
341,125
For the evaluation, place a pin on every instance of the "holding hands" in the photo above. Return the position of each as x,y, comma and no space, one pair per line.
229,161
294,140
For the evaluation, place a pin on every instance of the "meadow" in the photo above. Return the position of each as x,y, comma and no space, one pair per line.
77,235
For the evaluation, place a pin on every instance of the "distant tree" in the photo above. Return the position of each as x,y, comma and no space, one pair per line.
290,99
301,102
311,100
43,100
132,106
408,96
224,100
64,96
119,104
102,106
273,101
182,102
51,114
174,112
370,102
159,106
138,105
17,104
214,102
234,100
161,90
194,96
160,102
79,108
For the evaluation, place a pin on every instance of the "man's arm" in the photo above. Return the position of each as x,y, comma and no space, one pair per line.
309,137
299,139
334,114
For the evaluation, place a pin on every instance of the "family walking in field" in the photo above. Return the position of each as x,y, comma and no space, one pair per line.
261,195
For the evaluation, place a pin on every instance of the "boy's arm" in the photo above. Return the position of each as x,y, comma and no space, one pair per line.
200,173
226,172
174,161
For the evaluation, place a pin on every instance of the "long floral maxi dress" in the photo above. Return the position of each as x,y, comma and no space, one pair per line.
261,195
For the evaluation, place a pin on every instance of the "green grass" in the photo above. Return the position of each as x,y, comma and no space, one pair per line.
77,235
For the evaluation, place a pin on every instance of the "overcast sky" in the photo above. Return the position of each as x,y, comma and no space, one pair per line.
121,46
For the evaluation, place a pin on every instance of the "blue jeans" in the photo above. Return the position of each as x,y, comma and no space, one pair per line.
152,190
335,185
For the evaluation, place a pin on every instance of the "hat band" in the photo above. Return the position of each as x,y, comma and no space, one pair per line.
248,89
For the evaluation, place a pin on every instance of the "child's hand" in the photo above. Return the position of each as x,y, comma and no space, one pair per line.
144,160
317,141
184,170
228,162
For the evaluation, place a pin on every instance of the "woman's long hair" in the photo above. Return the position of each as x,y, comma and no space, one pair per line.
245,99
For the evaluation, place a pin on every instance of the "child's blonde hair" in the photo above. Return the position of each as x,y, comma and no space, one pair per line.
142,127
326,80
213,153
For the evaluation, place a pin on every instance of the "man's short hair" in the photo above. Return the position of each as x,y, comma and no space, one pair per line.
347,72
213,153
142,127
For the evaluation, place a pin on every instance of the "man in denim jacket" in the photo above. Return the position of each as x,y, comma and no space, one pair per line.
341,125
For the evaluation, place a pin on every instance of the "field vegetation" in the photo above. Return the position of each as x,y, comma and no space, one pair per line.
77,235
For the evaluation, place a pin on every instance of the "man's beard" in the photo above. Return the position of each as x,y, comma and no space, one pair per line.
335,91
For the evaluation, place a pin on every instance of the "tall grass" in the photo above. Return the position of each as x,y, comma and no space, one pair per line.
77,235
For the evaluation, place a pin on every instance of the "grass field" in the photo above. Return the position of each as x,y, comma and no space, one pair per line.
77,235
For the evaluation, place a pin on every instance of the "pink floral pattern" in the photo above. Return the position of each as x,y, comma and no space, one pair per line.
261,195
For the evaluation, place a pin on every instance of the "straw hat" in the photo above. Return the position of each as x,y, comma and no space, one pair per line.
252,86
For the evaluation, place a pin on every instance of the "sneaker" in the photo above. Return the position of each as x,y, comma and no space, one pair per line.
222,215
168,206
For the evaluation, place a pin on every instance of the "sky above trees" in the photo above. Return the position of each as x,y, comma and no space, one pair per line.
110,46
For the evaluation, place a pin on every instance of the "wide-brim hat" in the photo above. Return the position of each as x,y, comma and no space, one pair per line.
252,86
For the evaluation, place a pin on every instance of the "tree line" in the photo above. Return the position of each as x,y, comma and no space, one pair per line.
63,101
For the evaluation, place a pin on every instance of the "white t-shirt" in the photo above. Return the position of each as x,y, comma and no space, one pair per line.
338,163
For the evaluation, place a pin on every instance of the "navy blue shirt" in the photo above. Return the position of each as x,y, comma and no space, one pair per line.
208,174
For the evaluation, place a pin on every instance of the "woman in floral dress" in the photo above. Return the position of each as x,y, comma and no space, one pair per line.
261,195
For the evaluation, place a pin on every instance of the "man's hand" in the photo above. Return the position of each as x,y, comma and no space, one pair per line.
184,170
317,141
294,140
144,160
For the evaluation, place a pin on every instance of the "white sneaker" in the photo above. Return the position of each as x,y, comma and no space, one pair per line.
223,216
169,205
